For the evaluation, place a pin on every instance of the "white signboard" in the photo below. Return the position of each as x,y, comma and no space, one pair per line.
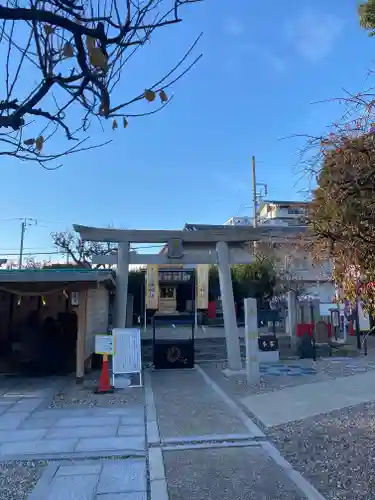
104,344
127,357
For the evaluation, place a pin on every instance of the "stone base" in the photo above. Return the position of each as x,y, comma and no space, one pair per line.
268,356
233,373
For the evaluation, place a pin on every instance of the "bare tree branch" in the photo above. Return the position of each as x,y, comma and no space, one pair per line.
80,252
71,60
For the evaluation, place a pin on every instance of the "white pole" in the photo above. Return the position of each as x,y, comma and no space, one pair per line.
251,341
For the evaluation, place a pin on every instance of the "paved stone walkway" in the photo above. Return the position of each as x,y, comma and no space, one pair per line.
95,480
85,453
25,430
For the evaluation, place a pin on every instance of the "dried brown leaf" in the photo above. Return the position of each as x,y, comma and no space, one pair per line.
149,95
39,142
98,59
48,29
90,43
163,96
68,50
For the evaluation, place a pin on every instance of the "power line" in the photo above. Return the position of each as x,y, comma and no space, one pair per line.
31,254
42,249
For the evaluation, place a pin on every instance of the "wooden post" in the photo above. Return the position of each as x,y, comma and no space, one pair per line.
81,336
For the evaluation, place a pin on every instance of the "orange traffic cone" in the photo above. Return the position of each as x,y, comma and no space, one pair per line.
104,380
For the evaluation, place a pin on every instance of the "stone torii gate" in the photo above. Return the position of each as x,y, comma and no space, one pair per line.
222,246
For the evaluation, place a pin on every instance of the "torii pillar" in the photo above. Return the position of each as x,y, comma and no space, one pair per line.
122,278
227,298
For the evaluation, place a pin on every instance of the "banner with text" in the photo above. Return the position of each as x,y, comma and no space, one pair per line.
202,271
152,286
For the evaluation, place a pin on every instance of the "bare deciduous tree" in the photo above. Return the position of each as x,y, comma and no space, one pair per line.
80,252
63,69
32,263
285,257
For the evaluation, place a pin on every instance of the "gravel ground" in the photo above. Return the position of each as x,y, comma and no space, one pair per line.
17,479
75,395
334,451
226,474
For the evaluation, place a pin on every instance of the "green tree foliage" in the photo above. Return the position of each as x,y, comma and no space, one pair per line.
343,211
257,280
367,16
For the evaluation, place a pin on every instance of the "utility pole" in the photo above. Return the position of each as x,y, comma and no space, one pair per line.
23,229
25,222
255,221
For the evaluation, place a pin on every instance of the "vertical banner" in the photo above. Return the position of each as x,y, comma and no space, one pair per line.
202,271
152,287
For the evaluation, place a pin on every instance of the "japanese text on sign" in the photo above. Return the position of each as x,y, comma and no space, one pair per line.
104,344
268,344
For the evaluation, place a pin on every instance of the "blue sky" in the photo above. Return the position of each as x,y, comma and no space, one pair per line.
262,68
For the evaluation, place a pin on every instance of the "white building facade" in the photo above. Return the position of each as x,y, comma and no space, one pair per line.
314,279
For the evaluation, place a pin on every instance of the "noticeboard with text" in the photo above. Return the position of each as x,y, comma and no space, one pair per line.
104,344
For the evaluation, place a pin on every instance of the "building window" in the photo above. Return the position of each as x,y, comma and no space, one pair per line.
294,211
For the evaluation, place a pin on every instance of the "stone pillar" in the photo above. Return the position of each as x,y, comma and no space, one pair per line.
81,336
122,276
251,341
292,317
230,323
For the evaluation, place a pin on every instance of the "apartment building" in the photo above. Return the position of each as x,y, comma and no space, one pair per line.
291,257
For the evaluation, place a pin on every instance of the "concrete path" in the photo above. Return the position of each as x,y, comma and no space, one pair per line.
303,401
188,407
202,445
